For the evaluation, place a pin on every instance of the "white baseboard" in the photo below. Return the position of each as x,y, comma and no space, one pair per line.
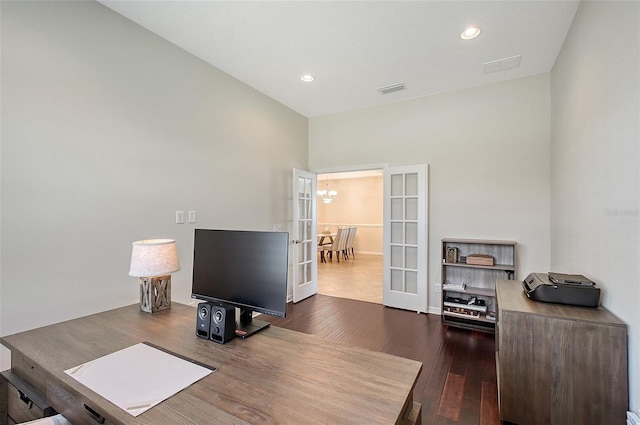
368,252
434,310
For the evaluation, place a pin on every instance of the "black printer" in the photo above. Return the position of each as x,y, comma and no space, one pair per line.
562,289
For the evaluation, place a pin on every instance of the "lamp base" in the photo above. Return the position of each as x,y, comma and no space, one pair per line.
155,293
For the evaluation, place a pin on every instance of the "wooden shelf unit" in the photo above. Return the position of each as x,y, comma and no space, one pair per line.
480,280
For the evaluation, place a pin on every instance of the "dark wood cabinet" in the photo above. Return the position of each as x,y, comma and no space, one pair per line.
558,364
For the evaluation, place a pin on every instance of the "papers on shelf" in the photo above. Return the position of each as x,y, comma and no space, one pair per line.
448,286
480,308
138,377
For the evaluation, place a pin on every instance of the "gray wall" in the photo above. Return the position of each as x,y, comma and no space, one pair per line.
107,130
595,157
488,154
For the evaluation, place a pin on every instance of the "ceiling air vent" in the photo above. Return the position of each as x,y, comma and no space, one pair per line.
501,64
391,88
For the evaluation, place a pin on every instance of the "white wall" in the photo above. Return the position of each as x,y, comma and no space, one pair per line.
595,110
107,130
488,155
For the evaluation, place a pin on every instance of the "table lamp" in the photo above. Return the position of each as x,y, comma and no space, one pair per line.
152,261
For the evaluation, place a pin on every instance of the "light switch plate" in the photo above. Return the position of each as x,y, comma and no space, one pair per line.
192,216
179,217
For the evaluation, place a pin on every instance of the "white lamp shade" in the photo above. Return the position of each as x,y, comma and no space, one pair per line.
154,257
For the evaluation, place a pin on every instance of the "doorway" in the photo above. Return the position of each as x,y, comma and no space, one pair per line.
358,203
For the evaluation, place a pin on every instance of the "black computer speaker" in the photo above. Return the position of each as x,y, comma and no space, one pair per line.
203,320
223,323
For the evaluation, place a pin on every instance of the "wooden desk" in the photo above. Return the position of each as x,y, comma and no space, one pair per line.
277,376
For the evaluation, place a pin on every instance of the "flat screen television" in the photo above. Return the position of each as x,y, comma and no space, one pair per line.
245,269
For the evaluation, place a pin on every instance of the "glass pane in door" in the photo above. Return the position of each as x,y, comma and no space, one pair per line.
411,257
411,282
411,186
396,280
412,209
396,185
397,210
411,233
396,257
396,233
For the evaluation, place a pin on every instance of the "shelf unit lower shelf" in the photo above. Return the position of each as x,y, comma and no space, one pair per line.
475,323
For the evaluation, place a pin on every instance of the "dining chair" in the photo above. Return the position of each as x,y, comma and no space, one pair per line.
348,242
344,245
338,245
352,241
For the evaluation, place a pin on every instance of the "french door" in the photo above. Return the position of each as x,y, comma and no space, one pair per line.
405,238
304,246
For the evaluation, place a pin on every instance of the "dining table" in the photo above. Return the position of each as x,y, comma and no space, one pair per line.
321,238
324,235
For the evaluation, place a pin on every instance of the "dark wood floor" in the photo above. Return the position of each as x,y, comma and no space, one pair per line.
458,380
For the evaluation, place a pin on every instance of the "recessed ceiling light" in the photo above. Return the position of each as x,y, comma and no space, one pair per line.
469,33
307,78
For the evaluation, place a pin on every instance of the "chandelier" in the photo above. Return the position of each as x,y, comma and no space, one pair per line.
327,195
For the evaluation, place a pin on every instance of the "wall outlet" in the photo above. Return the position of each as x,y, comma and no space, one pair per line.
277,228
438,287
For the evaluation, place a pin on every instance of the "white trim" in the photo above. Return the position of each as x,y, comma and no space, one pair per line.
348,168
434,310
373,226
369,252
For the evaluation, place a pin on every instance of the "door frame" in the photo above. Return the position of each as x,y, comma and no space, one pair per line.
349,169
352,169
378,166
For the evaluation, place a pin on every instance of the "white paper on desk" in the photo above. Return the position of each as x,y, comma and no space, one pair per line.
138,377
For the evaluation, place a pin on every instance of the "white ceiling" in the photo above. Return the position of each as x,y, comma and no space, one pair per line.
355,47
